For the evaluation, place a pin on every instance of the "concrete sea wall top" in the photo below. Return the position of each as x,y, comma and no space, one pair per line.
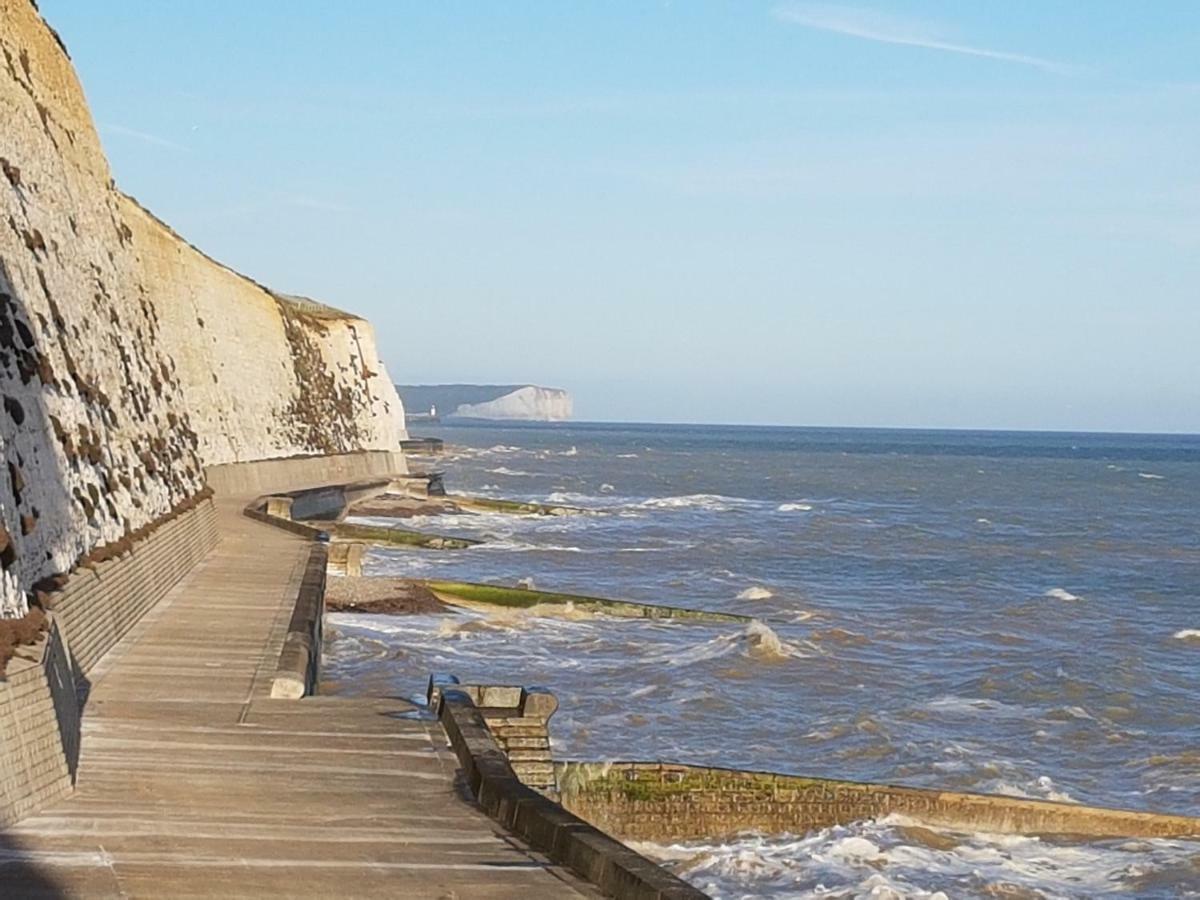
129,360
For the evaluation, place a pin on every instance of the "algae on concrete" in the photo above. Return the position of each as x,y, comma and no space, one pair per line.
460,593
400,537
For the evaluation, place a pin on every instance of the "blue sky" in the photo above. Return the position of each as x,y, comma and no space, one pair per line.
907,214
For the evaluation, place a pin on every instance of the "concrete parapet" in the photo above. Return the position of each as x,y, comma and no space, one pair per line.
519,721
300,659
545,825
277,475
669,802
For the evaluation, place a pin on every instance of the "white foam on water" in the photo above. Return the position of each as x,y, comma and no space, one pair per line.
1151,476
575,498
1040,788
627,456
755,593
511,546
710,502
504,470
896,858
1061,594
1187,634
764,643
976,706
794,507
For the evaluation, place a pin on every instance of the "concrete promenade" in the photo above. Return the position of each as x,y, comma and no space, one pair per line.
193,782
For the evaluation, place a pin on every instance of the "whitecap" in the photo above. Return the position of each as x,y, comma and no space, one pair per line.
504,470
1151,476
607,488
889,858
627,456
794,507
572,451
510,546
763,642
710,502
1061,594
1187,634
755,593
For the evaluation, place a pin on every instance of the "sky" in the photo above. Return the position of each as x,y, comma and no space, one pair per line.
925,214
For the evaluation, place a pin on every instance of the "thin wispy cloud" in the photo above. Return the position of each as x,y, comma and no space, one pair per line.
144,136
872,25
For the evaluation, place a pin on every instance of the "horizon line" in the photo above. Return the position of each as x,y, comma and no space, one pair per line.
470,421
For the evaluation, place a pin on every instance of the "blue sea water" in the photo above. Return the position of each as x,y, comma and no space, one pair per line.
990,611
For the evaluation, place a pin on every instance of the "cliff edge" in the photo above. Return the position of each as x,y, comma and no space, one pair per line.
525,402
129,360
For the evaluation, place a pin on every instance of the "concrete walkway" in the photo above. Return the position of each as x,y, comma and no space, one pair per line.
194,783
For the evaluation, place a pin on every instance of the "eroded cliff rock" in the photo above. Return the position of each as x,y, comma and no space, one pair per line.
128,359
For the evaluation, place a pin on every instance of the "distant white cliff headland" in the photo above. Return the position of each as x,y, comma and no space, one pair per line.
526,402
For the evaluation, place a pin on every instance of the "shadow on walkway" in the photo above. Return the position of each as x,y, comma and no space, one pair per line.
21,877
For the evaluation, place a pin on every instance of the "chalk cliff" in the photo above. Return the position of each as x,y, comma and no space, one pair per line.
129,360
489,401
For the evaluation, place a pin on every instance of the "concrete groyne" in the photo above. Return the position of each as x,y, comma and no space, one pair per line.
666,802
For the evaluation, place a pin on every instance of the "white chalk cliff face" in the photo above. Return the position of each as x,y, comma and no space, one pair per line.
530,403
128,359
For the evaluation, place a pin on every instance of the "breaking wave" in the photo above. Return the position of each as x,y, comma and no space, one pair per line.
1061,594
711,502
898,858
755,593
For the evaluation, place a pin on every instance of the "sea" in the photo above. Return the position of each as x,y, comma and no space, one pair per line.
1016,613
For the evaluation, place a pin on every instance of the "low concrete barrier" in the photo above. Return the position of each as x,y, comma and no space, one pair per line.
667,802
543,824
300,659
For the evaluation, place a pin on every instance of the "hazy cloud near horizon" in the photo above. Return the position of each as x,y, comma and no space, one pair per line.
912,213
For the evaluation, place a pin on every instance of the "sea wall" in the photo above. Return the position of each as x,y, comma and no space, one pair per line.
41,697
129,361
652,801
